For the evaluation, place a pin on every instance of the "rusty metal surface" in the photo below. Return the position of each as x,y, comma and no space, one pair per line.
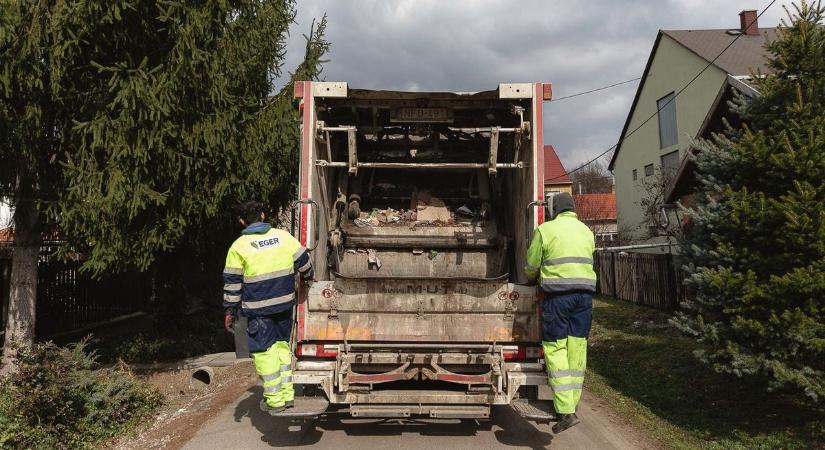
483,369
422,310
323,374
464,236
434,411
395,263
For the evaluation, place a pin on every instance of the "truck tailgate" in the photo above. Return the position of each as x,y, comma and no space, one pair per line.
421,310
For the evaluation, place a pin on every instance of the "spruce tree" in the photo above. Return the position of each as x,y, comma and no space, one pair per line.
130,125
756,246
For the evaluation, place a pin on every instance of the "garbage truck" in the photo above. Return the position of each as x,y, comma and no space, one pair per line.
418,208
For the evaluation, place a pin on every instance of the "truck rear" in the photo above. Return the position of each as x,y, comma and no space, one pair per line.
418,207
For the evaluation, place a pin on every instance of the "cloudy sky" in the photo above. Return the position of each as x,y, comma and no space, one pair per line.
463,45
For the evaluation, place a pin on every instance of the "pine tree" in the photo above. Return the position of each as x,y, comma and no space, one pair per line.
756,247
131,125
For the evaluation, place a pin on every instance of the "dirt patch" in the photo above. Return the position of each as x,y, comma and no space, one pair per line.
185,409
602,416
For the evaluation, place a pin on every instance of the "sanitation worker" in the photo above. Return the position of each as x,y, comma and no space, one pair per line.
259,284
561,256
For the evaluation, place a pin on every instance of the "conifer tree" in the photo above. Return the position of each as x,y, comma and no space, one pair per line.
756,246
130,125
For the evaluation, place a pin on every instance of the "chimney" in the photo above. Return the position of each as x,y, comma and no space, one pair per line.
748,22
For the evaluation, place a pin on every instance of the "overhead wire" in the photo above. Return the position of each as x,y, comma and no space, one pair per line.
659,108
595,90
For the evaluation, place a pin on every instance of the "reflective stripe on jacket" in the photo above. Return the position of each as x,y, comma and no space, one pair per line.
561,252
260,271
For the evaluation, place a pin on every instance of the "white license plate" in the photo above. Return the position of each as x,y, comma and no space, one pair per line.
421,115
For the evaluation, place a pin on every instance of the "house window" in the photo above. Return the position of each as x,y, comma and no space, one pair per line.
635,175
670,163
667,120
649,170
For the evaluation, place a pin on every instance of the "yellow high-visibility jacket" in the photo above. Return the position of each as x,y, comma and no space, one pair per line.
562,253
260,271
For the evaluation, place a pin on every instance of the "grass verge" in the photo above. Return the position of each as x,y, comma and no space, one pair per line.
646,370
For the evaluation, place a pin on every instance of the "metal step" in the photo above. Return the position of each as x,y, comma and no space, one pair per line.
536,410
305,407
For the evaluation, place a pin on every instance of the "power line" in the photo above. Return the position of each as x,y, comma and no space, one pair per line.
614,146
595,90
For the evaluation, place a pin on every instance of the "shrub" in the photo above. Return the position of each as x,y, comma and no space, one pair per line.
59,398
756,245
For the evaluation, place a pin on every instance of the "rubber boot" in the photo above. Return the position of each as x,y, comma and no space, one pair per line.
565,421
271,410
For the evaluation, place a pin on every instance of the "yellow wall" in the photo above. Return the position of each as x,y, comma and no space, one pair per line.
672,67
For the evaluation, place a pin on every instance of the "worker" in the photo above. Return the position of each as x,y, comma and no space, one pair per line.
561,253
259,284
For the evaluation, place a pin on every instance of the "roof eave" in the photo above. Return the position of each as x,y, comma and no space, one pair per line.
635,100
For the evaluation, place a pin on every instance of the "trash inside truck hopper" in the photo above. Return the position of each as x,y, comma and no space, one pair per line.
418,208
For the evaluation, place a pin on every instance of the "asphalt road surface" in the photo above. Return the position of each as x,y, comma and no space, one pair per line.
241,425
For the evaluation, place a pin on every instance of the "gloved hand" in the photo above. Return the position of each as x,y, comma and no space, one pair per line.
227,323
308,275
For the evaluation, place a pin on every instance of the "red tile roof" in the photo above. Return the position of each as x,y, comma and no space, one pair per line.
554,171
596,206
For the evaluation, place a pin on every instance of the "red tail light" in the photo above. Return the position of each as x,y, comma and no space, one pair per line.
317,350
522,352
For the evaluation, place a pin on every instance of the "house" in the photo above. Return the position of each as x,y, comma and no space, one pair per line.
682,185
598,211
653,146
556,179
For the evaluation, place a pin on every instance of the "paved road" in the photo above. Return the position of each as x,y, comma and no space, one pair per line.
241,425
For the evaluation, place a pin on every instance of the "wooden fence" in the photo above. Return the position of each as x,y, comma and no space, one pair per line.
642,278
68,299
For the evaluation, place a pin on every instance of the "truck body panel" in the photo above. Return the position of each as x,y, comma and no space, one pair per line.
418,208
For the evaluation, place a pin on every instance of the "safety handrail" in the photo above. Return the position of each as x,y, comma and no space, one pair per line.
315,209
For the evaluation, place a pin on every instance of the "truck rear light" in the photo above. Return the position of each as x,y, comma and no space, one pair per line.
317,350
547,91
534,352
522,352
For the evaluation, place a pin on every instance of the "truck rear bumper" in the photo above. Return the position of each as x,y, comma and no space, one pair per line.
500,390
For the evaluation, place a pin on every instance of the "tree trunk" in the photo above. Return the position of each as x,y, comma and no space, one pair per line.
23,283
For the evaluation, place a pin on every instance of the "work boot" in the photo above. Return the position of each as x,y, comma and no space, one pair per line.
565,421
272,410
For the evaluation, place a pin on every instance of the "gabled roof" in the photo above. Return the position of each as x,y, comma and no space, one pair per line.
595,206
554,171
745,54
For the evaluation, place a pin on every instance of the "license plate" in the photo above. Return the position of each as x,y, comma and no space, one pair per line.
421,115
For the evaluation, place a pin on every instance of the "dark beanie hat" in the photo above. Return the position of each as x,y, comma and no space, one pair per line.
562,202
